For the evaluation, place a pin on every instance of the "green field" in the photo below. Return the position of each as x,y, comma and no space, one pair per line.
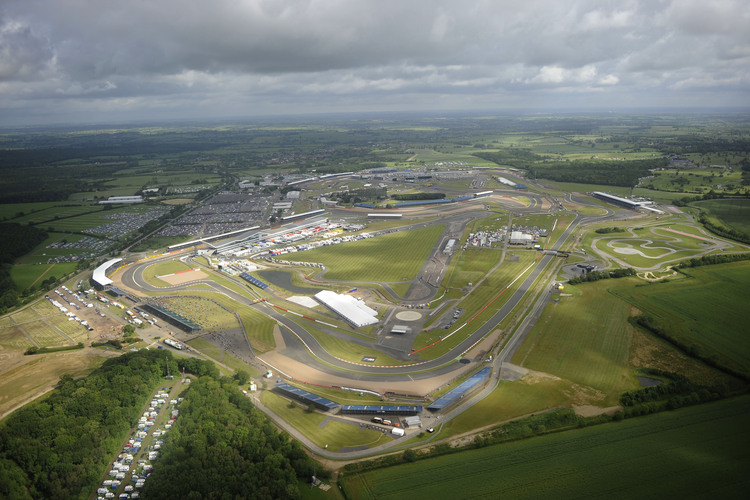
698,452
511,400
706,310
26,275
697,180
163,268
734,213
389,258
585,340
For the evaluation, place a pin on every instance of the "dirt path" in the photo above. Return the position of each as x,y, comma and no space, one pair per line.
40,276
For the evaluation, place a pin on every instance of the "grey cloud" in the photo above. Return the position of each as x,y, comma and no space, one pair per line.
265,53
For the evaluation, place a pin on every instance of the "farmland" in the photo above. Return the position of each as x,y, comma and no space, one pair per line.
735,213
661,455
701,310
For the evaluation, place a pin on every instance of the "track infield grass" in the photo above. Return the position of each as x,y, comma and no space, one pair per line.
390,258
697,452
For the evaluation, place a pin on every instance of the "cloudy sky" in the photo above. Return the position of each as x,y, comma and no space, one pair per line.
119,60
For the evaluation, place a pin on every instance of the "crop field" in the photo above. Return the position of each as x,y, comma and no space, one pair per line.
319,429
13,211
584,339
389,258
697,452
59,212
705,310
734,213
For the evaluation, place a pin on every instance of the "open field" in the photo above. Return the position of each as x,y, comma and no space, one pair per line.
26,275
734,213
694,452
32,375
319,429
584,339
704,310
533,393
695,181
405,253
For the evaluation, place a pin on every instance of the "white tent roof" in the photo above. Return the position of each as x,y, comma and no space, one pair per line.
351,309
99,275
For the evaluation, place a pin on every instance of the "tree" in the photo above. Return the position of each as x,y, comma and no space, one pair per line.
241,376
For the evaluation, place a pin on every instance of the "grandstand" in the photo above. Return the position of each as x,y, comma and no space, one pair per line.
380,410
306,397
172,317
254,281
469,385
100,277
305,215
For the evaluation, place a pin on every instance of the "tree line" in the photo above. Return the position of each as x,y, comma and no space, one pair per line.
17,241
59,447
602,275
222,447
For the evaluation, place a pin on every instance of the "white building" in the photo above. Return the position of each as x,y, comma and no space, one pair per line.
352,310
519,238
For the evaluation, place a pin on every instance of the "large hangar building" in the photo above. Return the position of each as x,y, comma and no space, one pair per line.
352,310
